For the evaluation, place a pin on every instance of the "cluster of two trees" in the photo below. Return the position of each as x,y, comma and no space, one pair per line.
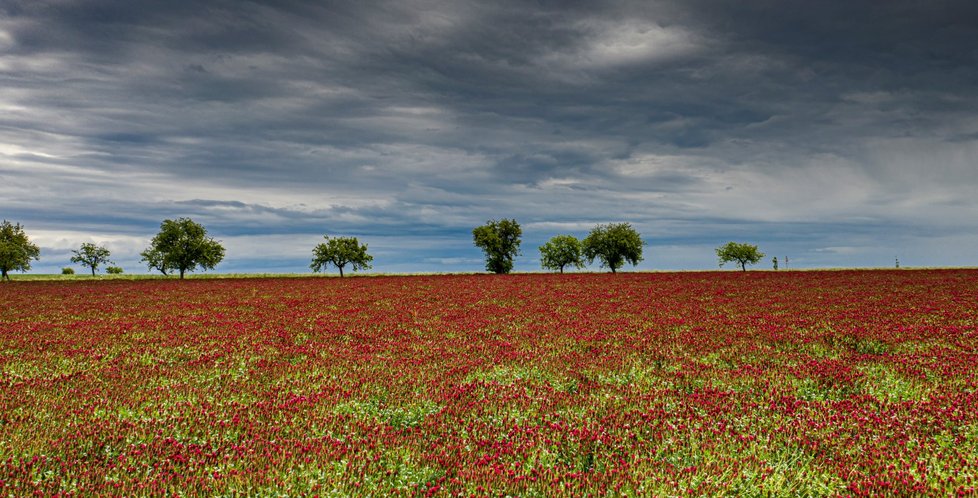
183,245
612,244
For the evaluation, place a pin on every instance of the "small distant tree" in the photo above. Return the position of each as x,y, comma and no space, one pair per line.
16,249
775,261
339,252
113,270
182,245
91,256
67,271
500,241
613,244
561,251
743,254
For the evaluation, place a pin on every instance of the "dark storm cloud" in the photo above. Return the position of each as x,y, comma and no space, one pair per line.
839,132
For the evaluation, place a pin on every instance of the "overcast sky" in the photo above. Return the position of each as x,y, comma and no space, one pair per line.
833,133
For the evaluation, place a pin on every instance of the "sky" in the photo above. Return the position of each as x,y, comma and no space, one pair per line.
832,134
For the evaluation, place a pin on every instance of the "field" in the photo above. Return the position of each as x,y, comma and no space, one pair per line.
755,384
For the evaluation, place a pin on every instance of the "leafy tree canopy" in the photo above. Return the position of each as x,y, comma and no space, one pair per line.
561,251
743,254
614,244
500,241
339,252
91,255
16,249
182,245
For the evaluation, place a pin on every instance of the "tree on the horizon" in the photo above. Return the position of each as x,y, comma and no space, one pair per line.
561,251
743,254
614,244
500,241
16,249
91,255
182,245
339,252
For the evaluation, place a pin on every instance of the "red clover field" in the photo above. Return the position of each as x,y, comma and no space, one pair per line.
811,383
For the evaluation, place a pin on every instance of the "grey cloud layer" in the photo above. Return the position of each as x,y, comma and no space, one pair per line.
840,133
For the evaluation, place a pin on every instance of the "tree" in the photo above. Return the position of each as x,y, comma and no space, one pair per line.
113,270
561,251
743,254
182,245
775,261
339,252
154,259
500,240
613,244
16,250
92,256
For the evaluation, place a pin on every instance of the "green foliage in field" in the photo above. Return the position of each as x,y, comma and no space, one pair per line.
182,245
742,254
613,244
16,249
500,241
561,251
339,252
91,256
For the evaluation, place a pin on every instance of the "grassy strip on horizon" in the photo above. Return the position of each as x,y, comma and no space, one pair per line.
35,277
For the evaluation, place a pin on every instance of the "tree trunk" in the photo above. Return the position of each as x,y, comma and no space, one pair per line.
341,271
561,269
181,273
3,275
613,270
93,271
743,266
